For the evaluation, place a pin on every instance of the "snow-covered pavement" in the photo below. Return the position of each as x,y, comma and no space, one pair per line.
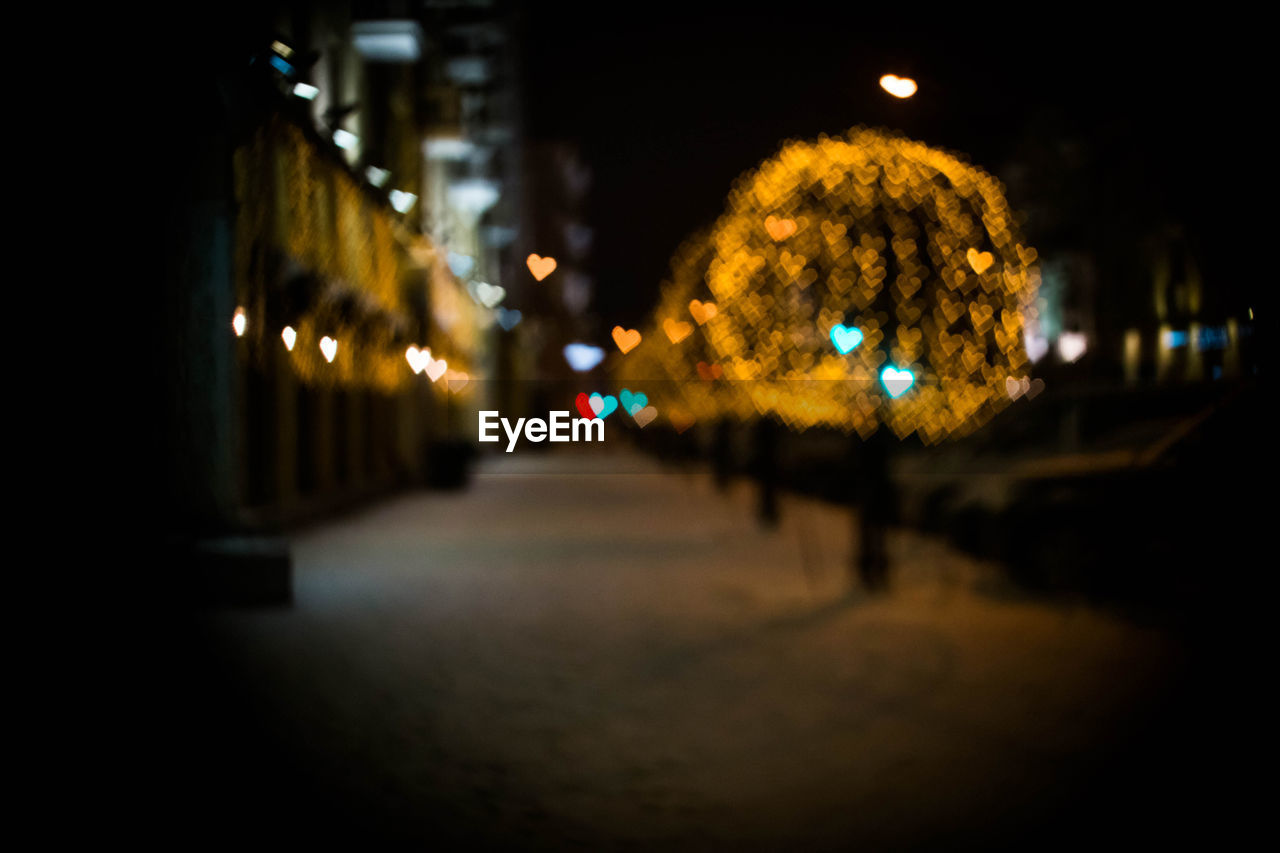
560,657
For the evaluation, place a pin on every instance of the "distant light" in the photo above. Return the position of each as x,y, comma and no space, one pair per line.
461,265
1212,337
282,49
345,139
448,149
329,348
468,70
239,322
473,196
376,176
306,91
488,295
289,336
498,236
402,201
1250,313
1173,339
1015,387
508,320
899,87
1037,346
283,67
583,357
388,48
388,41
1071,345
456,380
540,267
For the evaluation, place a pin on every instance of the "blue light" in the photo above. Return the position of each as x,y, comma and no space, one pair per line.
461,265
280,65
1212,337
583,357
1174,339
845,337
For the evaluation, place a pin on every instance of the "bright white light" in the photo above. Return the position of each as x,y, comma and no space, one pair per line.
435,368
473,196
388,41
1071,345
488,295
239,322
899,87
418,358
329,348
376,176
583,357
402,201
345,139
449,149
1037,346
306,91
289,336
896,381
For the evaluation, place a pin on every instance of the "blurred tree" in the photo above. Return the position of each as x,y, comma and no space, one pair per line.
858,281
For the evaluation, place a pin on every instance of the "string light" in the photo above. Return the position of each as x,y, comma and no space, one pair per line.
295,202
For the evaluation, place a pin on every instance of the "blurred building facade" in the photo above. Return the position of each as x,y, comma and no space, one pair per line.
340,274
1136,290
559,183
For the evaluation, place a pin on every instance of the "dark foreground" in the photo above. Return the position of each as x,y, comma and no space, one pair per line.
557,659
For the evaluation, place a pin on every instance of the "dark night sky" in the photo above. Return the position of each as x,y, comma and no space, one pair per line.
670,104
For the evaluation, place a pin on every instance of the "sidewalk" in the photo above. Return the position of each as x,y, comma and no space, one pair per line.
558,657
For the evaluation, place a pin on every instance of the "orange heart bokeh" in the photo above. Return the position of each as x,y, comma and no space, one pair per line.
980,261
702,311
626,339
677,330
541,267
779,229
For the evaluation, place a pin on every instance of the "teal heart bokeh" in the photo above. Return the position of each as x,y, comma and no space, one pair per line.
607,404
632,403
845,337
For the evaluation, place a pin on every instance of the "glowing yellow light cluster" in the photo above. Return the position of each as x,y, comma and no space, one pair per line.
300,213
909,244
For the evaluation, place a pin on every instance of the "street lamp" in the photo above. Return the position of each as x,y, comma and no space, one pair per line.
899,87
